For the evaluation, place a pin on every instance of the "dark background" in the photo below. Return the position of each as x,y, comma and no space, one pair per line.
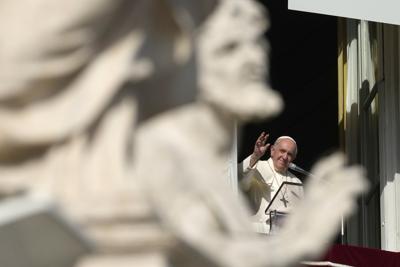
303,68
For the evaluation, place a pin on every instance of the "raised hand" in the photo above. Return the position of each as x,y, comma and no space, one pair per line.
260,147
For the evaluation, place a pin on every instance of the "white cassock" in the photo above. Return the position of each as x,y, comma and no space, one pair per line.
260,185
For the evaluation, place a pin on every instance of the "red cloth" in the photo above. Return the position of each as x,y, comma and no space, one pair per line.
362,257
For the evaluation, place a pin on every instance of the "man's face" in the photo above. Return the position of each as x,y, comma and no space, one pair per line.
282,154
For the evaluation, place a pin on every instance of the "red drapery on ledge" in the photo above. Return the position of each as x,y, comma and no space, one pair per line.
362,257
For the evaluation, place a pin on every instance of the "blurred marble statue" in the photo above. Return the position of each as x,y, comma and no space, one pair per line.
122,113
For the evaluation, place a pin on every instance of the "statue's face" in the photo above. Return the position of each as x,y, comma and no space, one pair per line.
233,61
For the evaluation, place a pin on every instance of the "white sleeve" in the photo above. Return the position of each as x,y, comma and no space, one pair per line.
245,173
246,165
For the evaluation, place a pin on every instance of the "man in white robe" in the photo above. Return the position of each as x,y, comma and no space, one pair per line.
261,179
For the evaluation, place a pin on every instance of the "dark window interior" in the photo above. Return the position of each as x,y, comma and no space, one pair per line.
303,68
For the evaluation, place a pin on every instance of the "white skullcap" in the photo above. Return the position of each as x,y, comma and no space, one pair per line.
285,137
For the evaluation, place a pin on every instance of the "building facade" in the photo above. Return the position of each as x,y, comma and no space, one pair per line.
369,110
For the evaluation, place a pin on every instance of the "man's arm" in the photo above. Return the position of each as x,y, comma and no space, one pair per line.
260,147
249,164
